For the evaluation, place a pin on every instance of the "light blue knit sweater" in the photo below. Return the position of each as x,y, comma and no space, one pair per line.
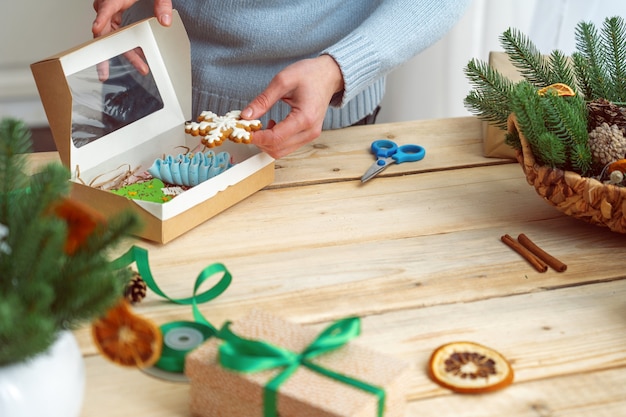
237,46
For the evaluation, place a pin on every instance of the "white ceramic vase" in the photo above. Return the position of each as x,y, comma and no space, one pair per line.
50,385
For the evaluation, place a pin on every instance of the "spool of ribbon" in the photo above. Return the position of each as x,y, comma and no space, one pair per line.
246,355
180,337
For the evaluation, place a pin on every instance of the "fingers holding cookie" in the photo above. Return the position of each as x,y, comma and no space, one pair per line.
214,130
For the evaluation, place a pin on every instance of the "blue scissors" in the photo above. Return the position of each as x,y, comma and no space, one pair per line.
387,153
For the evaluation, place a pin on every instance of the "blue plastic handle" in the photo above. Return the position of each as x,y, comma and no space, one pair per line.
409,153
384,148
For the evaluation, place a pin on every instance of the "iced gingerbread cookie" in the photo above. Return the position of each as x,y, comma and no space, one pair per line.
214,129
153,190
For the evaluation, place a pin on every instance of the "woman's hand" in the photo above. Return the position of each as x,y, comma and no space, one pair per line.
109,18
307,86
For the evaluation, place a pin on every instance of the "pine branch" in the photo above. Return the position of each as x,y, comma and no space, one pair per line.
489,100
582,160
15,142
566,117
591,60
583,77
512,139
525,103
551,149
614,39
527,58
488,109
561,69
51,182
43,289
91,267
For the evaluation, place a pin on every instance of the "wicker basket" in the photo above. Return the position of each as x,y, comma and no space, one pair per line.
580,197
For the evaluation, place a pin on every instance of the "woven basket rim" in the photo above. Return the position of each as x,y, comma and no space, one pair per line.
581,197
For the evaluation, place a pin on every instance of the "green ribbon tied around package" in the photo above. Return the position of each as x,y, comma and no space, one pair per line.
193,332
247,355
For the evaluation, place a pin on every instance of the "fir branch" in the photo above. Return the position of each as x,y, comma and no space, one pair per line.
566,117
552,149
91,267
614,40
581,72
46,186
15,142
35,252
15,139
489,100
591,60
43,289
582,160
561,69
527,58
526,104
487,109
512,139
106,237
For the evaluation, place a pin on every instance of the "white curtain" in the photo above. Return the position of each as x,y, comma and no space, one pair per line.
433,85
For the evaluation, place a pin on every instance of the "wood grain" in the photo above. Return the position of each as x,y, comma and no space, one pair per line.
416,253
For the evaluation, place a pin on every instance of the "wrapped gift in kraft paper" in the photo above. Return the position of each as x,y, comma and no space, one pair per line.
264,366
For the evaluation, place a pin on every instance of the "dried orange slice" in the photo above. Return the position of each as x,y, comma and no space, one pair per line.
127,339
559,88
81,221
469,368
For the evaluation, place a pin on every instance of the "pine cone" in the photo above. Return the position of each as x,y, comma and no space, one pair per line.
603,111
135,289
607,144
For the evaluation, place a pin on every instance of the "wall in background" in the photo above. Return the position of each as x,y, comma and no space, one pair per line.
31,30
432,85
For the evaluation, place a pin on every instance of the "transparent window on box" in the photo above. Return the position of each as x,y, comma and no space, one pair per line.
101,105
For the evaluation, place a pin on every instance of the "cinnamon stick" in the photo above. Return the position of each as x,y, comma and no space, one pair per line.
537,263
553,262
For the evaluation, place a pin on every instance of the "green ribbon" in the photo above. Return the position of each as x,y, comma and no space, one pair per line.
173,357
246,355
173,360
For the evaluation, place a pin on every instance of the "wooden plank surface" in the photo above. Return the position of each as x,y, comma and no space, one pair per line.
416,253
570,338
440,251
344,154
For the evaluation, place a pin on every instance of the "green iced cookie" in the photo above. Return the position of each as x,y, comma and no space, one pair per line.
151,190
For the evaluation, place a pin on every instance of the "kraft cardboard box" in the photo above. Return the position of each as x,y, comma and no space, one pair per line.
217,391
109,120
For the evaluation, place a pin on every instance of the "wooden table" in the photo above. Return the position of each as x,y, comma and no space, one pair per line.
417,254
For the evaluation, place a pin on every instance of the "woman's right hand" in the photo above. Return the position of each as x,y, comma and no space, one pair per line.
109,18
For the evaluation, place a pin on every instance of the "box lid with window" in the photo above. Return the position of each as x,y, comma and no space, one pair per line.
111,119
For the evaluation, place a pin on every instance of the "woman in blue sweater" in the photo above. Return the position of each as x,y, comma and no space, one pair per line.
308,65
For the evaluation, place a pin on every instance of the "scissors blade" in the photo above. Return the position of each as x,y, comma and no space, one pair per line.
376,168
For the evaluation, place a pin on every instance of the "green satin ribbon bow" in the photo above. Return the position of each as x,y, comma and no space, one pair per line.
246,355
174,362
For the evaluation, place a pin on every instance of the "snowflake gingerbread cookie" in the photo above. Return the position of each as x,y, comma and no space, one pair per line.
214,129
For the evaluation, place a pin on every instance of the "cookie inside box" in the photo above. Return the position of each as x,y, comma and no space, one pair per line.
109,115
121,111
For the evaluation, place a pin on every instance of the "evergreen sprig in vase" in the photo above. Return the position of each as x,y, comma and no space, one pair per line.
566,118
55,270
